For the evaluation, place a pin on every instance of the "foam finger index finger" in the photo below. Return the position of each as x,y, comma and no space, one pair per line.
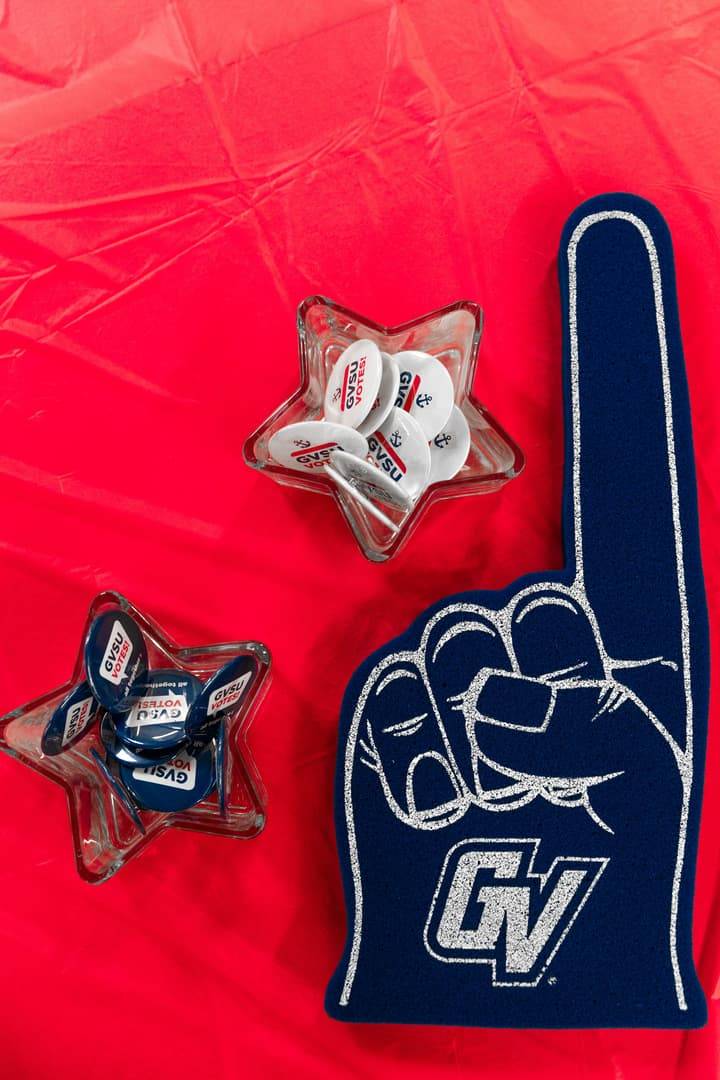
631,530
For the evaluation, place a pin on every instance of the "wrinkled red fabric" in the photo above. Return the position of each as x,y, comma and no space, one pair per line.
175,176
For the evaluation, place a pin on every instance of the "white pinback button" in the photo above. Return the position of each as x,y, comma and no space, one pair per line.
353,384
311,444
426,390
386,395
400,451
370,481
450,448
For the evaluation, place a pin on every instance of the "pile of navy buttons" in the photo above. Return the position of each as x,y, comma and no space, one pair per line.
162,731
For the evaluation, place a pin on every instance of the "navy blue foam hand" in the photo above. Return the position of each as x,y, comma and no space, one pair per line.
519,775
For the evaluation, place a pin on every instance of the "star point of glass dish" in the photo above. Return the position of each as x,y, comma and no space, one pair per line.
452,335
106,832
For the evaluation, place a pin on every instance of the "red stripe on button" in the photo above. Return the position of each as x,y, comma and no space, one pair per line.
344,389
414,387
388,448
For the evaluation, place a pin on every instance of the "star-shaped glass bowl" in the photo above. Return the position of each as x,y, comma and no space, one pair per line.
452,334
104,837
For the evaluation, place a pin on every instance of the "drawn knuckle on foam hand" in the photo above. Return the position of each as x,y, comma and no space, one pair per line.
458,638
401,739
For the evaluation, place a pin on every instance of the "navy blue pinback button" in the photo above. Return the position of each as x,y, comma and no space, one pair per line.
222,693
220,760
174,786
70,720
124,797
158,711
126,755
115,657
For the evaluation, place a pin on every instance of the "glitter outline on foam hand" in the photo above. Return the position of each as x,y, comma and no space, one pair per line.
612,693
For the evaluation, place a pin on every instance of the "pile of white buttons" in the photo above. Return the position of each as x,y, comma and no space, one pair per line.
390,427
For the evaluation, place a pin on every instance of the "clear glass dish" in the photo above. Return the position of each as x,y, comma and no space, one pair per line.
452,334
104,837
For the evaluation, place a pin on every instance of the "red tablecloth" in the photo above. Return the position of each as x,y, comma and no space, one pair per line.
175,176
